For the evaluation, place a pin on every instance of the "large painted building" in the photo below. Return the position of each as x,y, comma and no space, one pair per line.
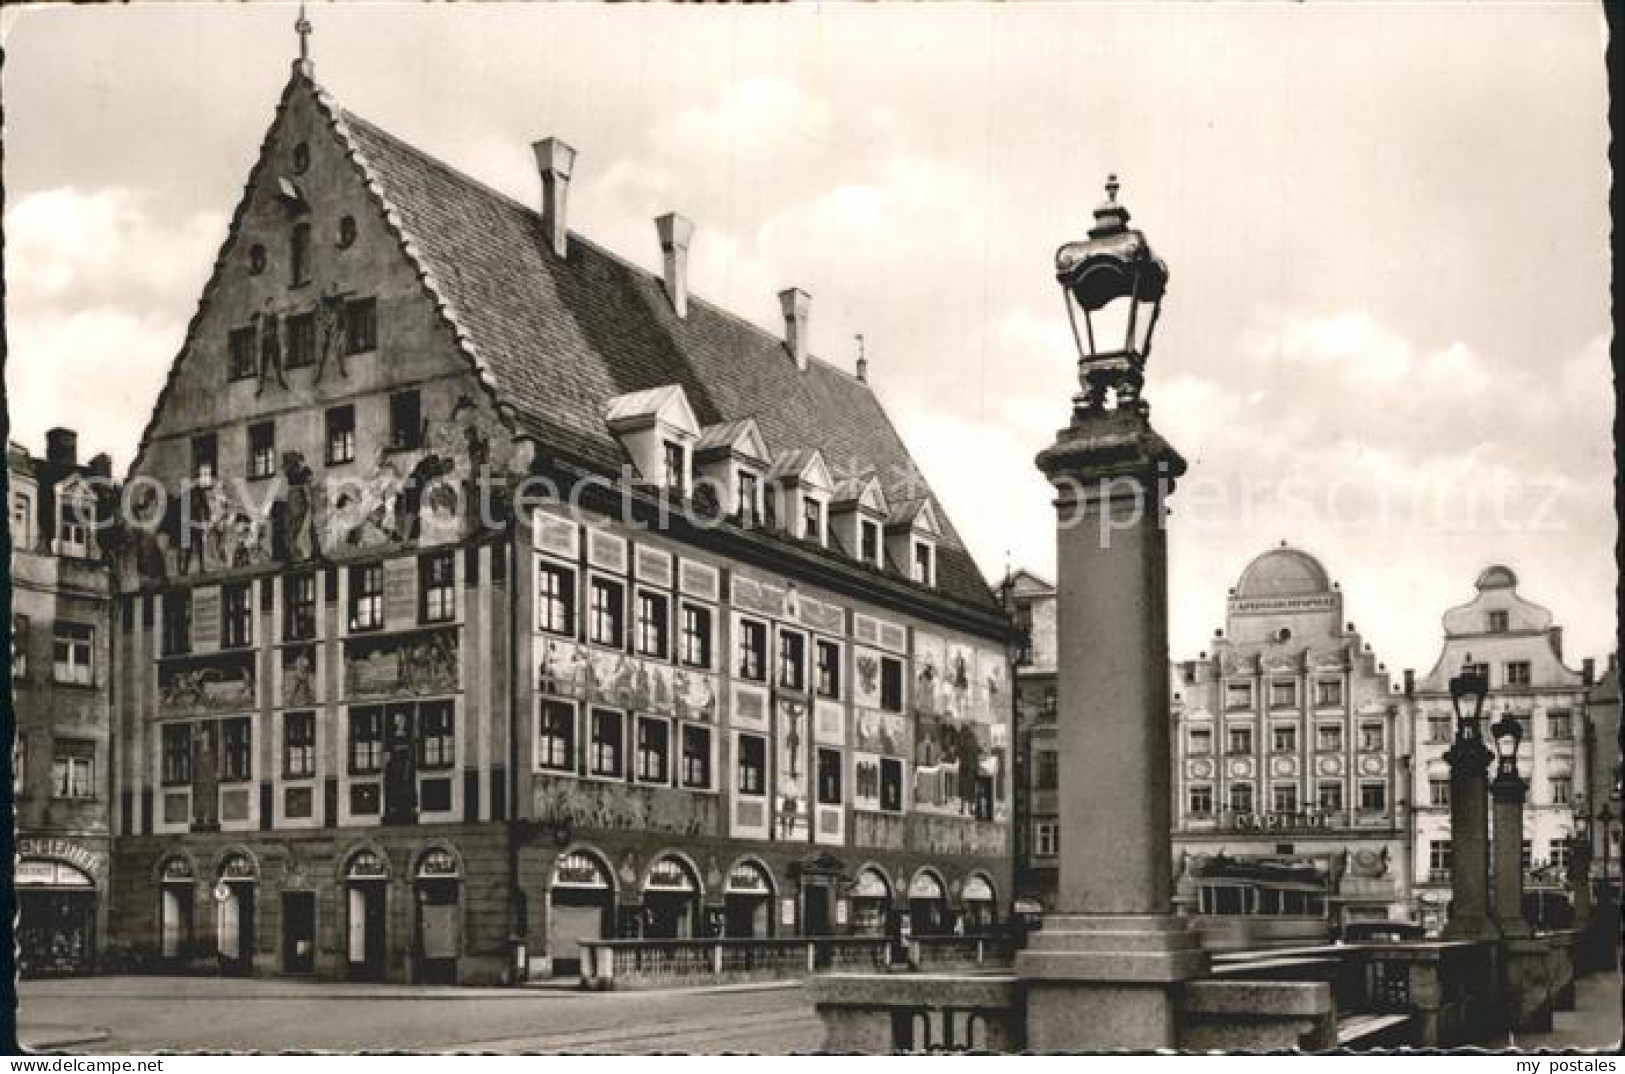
1290,787
497,594
1516,644
60,678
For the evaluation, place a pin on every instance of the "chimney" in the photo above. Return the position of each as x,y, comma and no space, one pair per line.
1588,671
101,466
795,303
1557,641
675,231
863,360
555,161
1410,682
62,447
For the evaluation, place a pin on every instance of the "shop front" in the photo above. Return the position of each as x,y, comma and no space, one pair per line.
978,904
438,883
56,927
671,900
748,902
366,889
928,913
236,898
581,906
871,902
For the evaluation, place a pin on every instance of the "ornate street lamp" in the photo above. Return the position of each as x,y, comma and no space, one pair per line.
1115,283
1469,762
1508,792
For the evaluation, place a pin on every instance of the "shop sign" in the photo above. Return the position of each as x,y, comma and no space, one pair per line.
86,861
579,871
870,886
746,879
1280,822
668,874
977,889
50,874
924,886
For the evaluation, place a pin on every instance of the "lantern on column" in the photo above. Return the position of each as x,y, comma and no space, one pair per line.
1467,692
1508,733
1113,286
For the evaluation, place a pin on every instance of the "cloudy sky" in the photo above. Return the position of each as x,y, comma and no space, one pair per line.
1385,339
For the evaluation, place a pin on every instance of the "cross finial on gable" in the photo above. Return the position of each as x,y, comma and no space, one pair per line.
303,29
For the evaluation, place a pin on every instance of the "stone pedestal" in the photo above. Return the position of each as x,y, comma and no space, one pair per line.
1104,971
1469,761
1508,795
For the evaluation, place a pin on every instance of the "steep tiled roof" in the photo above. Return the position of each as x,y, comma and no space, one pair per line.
558,338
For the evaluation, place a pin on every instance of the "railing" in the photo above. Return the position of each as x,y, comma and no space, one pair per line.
612,964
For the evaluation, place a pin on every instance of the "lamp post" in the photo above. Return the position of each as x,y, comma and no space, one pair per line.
1579,863
1507,790
1469,762
1105,970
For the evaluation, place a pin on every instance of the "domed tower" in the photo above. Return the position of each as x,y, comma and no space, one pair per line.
1283,594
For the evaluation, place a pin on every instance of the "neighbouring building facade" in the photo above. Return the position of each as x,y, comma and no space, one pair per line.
1030,601
1605,786
1515,643
1290,785
60,679
491,594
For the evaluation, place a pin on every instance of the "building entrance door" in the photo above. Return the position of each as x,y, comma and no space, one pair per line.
365,942
234,927
581,902
818,918
298,932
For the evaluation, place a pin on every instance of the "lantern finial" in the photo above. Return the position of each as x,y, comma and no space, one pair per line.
1112,186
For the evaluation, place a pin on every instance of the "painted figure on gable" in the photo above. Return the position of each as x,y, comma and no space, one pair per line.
583,675
959,677
330,328
270,329
300,510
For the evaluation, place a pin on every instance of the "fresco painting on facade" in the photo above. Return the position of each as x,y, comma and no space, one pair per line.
424,662
596,676
224,682
792,819
300,679
866,685
620,807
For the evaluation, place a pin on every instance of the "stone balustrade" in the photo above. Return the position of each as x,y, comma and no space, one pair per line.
650,964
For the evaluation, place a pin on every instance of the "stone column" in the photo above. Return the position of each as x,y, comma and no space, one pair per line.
1508,793
1469,761
1104,970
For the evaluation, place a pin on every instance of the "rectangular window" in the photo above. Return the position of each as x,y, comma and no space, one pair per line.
1373,797
1525,854
22,520
1284,797
1199,741
696,635
299,255
366,740
556,736
298,745
1329,693
236,616
696,757
606,618
1371,737
437,734
555,598
176,749
1517,673
1498,622
240,348
1199,801
869,541
676,465
437,587
608,743
73,769
1283,695
366,596
752,650
654,624
922,563
177,622
299,607
1238,695
405,421
1047,770
205,459
1241,797
1562,790
340,435
262,449
71,649
1480,670
829,777
792,660
1047,839
1560,725
750,506
1439,859
891,784
1284,739
829,668
301,340
752,765
1329,796
891,684
1439,729
1439,793
360,325
236,750
812,519
74,518
1557,852
1239,741
654,750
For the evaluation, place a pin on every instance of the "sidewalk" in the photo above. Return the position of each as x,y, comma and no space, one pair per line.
1594,1022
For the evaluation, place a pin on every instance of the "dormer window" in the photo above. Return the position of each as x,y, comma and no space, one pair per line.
870,542
676,466
812,519
73,528
750,498
1498,622
925,563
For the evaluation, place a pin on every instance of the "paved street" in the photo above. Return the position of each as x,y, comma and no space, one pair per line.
139,1014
